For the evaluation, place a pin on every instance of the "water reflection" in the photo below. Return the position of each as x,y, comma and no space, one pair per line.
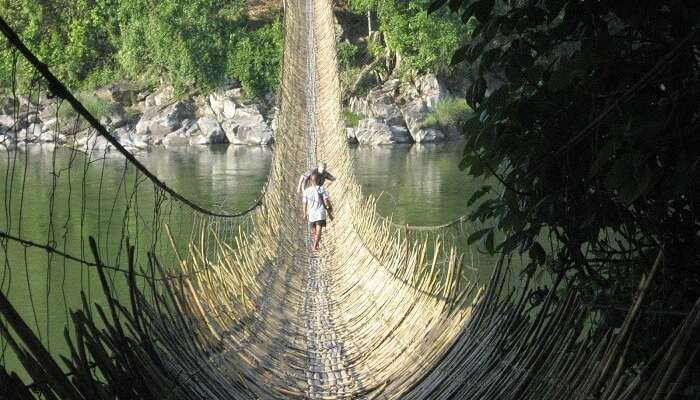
226,177
419,184
60,197
91,194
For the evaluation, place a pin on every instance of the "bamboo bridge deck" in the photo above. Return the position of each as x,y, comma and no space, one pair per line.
376,313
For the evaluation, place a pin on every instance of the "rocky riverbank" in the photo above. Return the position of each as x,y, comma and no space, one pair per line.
396,112
140,118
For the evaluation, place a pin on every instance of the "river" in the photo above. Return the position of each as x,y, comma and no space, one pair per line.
48,198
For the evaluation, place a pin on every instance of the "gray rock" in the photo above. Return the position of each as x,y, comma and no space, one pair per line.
160,122
429,135
380,103
23,120
30,134
6,121
350,134
177,138
375,131
431,90
123,93
50,124
248,127
7,136
413,114
116,118
8,105
210,132
385,109
136,142
121,133
225,101
274,119
176,113
161,96
91,142
359,105
52,137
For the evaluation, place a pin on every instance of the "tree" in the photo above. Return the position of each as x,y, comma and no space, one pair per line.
187,44
422,42
586,111
182,40
256,58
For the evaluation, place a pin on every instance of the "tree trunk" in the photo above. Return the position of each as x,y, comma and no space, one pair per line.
360,77
369,24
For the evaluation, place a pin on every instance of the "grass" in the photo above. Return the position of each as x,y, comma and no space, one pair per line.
451,112
97,107
352,118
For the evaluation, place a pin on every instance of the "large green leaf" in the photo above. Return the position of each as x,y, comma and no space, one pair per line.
481,9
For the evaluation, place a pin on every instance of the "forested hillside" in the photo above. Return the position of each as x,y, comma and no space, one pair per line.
198,43
201,43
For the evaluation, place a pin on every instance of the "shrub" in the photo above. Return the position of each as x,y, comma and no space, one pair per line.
96,106
347,53
256,57
450,112
352,118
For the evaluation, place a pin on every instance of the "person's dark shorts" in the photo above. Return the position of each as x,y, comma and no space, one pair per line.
321,223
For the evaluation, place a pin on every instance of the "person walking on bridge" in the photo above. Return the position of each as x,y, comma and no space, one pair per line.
322,172
316,203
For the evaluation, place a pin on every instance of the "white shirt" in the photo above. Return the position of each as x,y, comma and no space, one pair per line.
312,198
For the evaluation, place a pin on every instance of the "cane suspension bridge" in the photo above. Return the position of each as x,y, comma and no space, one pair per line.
248,311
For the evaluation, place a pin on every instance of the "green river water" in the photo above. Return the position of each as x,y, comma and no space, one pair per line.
49,198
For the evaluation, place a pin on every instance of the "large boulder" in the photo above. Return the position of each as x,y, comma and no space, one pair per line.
6,121
7,136
131,141
429,135
177,138
274,119
124,93
157,123
248,127
92,142
225,100
414,114
208,131
375,131
116,117
380,103
350,134
431,90
163,95
8,105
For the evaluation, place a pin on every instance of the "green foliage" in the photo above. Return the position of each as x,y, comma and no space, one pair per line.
375,49
182,40
352,118
256,58
96,106
450,112
610,174
192,44
347,53
69,36
424,42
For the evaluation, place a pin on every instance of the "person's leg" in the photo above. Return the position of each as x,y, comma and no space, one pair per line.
318,237
312,226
